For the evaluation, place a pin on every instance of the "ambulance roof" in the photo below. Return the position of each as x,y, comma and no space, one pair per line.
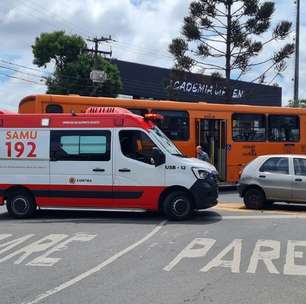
93,118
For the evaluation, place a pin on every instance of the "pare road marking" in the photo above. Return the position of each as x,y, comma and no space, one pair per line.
99,267
265,252
49,244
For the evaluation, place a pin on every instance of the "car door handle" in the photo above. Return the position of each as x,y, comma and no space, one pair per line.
98,170
298,180
262,176
124,170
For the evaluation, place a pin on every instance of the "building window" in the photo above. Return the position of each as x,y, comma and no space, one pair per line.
276,165
284,128
137,145
249,127
80,145
175,124
54,108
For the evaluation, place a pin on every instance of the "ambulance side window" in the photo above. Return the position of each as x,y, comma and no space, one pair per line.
136,145
82,145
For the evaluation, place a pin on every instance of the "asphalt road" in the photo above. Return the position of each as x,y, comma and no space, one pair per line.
224,255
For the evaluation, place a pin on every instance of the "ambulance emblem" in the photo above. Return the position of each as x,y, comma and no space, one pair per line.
72,180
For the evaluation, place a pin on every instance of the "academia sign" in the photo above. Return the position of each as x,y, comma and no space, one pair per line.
205,89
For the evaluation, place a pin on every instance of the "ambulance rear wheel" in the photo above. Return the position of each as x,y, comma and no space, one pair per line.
177,206
20,204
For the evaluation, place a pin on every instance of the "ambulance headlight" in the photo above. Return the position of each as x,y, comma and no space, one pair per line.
200,173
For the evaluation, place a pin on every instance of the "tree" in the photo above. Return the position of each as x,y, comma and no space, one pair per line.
300,103
230,32
73,66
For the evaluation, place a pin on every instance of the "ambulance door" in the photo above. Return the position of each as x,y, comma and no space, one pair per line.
81,168
137,182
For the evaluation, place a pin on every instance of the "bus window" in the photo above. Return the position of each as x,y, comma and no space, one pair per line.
54,108
175,124
284,128
140,112
249,127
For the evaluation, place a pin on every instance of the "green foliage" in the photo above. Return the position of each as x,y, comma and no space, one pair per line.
301,103
73,66
232,31
57,46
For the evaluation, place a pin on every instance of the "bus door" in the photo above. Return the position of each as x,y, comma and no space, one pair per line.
212,137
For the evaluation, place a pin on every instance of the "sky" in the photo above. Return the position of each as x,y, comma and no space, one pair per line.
142,30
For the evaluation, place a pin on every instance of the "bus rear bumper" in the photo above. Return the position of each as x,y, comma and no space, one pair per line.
205,194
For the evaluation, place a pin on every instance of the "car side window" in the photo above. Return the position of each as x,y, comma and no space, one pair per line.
137,145
299,166
276,165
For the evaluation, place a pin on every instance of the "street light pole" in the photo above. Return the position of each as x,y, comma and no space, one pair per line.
297,53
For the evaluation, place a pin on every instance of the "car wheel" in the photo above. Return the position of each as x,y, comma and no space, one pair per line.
177,206
20,204
254,199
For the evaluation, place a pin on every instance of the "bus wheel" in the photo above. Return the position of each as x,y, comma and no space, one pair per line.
20,204
177,206
254,199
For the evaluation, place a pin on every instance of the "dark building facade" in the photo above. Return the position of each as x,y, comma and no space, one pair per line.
144,81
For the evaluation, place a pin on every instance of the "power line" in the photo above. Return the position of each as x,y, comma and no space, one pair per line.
23,79
24,67
25,73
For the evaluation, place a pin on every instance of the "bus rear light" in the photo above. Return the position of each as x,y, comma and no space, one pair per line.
153,116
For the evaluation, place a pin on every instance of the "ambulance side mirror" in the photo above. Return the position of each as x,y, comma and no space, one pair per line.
158,157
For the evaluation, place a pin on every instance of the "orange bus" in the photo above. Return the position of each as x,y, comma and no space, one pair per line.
232,135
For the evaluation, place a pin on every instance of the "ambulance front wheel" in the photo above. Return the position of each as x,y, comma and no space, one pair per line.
20,204
178,206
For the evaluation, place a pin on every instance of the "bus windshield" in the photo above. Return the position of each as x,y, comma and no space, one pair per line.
165,142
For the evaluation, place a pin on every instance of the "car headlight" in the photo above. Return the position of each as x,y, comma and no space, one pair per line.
200,173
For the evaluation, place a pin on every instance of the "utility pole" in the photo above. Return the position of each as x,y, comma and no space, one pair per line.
96,75
297,52
96,50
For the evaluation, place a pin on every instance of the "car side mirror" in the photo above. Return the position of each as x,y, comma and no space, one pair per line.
158,157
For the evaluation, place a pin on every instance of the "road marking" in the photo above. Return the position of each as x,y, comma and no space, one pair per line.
99,267
265,252
38,246
266,256
46,261
233,264
256,217
51,242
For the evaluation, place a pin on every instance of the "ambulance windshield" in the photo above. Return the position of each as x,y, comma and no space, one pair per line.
165,142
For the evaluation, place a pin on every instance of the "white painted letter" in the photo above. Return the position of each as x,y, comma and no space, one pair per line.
290,267
4,236
266,256
40,245
197,248
234,264
11,244
45,260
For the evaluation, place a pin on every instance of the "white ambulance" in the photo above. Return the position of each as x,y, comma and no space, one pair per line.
106,158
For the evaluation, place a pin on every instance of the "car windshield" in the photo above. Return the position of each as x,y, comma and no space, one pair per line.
165,142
